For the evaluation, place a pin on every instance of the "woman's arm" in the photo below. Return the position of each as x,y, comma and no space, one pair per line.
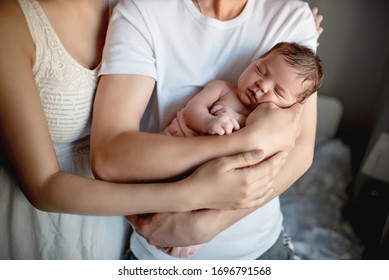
27,140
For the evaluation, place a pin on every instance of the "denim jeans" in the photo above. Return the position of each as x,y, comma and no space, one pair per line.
282,249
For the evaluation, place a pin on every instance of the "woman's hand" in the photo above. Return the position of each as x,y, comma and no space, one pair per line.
318,19
234,182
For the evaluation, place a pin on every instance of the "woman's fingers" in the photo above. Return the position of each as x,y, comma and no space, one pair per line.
239,181
262,176
243,160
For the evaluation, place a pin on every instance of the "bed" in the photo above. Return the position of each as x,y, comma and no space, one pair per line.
313,206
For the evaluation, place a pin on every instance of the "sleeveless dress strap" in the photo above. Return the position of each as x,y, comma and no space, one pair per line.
30,10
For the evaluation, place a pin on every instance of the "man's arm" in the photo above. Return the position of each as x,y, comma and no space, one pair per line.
121,153
299,160
164,230
282,176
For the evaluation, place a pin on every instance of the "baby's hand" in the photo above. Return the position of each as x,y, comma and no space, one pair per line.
219,110
222,124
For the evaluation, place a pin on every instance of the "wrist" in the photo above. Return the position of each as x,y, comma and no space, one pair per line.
188,195
247,139
215,221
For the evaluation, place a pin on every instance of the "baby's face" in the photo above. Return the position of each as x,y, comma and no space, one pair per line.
269,79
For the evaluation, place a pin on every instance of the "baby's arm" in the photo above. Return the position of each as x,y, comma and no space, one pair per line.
198,115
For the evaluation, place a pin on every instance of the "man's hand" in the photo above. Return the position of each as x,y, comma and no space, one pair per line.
171,229
271,128
318,19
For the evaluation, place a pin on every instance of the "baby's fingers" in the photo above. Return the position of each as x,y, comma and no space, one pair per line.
235,124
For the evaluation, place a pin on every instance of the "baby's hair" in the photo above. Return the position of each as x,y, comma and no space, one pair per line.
305,61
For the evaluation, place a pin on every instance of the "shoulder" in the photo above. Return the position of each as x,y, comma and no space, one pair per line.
218,84
282,3
151,10
145,4
281,8
10,14
222,86
290,20
17,50
14,34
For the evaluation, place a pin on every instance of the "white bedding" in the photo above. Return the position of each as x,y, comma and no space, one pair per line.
313,207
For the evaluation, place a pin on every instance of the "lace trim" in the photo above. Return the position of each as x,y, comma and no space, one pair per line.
66,88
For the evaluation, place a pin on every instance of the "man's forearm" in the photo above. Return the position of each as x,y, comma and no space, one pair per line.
121,153
137,156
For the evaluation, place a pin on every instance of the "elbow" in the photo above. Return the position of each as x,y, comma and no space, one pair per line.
306,149
37,202
37,198
102,160
99,158
96,165
100,167
40,204
104,167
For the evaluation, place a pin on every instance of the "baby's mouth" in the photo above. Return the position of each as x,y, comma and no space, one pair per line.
251,94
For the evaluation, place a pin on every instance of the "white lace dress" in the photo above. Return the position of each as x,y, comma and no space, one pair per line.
66,90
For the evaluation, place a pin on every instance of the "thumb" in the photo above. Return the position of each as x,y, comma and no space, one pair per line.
245,159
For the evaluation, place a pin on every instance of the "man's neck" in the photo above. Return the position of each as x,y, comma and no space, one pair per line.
221,9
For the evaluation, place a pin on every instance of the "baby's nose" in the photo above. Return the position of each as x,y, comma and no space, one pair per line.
258,93
261,89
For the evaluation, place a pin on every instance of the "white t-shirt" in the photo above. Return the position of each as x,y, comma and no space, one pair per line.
172,42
